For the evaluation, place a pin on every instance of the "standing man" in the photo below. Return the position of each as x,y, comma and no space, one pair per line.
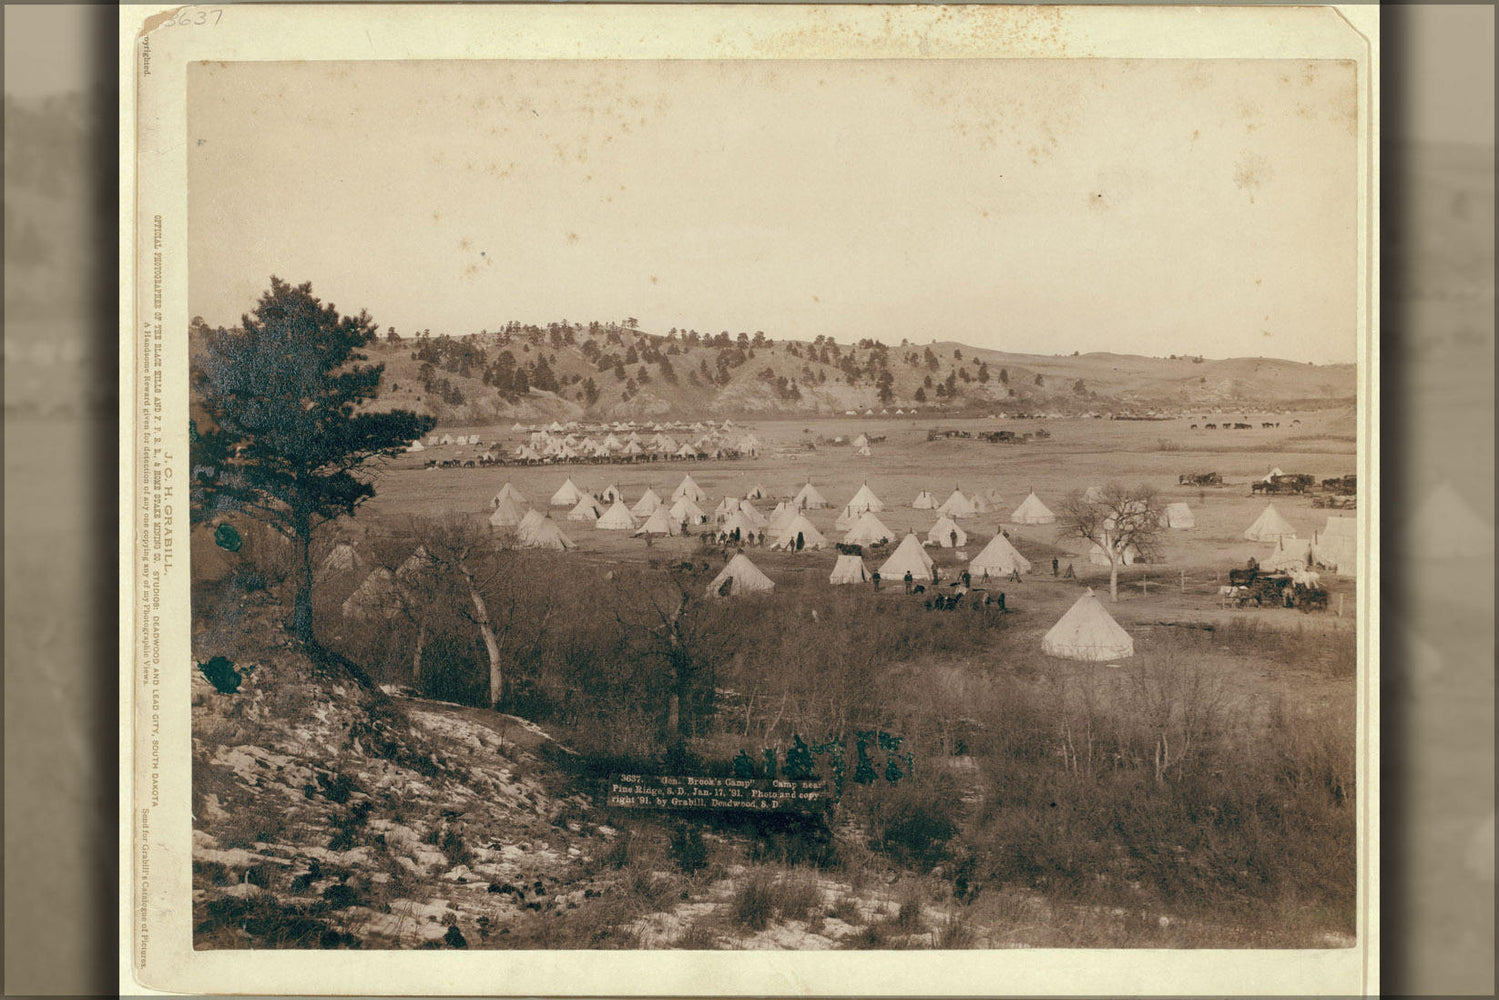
909,579
1053,565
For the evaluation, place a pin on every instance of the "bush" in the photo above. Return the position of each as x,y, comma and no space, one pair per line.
764,896
911,822
688,850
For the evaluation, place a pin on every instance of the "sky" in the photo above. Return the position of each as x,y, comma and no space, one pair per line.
1042,206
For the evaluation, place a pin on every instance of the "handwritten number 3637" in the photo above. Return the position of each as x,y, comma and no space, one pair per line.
190,18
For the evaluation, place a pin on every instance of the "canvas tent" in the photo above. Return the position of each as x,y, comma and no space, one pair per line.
416,446
908,556
616,518
543,533
807,498
1032,511
867,529
741,577
567,495
998,559
780,517
689,489
587,509
1178,515
377,596
647,504
943,531
684,511
861,441
924,501
1270,476
530,521
1290,553
340,559
752,514
726,506
864,500
863,451
1088,632
660,522
1335,547
508,492
957,505
803,528
611,494
849,569
505,515
1269,526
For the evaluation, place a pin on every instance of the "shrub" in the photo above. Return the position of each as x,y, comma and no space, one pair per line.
688,850
765,896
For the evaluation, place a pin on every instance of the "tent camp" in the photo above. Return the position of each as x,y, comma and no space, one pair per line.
1335,547
660,522
780,517
1088,632
924,501
807,498
726,506
957,505
1269,526
684,511
506,515
689,489
752,514
543,533
849,569
803,529
864,500
736,522
567,495
508,492
647,504
587,509
997,560
616,518
1178,515
1032,511
943,533
867,529
740,576
908,556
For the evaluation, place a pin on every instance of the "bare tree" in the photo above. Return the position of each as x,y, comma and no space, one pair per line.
1123,522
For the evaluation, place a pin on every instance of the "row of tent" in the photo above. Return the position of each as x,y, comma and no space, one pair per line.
1335,547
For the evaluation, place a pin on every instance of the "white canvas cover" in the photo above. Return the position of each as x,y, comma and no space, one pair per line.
1088,632
756,493
660,522
849,569
943,531
807,498
1335,547
867,529
864,500
445,439
567,495
611,493
924,501
377,596
1178,515
508,492
957,505
811,537
752,514
506,515
860,441
1272,474
1269,526
684,511
689,489
340,559
1290,553
863,451
746,577
737,522
616,518
543,533
908,556
530,520
780,517
997,560
726,506
647,504
416,446
1032,511
587,509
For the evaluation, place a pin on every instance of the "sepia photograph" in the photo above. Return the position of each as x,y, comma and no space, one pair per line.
771,504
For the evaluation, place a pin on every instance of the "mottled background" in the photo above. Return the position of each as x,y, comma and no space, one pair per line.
60,360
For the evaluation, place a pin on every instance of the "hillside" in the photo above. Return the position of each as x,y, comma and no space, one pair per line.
617,372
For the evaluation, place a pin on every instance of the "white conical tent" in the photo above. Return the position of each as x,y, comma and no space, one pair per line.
611,494
508,492
416,446
1448,528
1269,476
1290,553
341,559
736,522
506,515
1098,557
860,442
1178,515
865,500
807,498
910,557
1335,547
1032,511
647,504
1269,526
924,501
998,559
780,517
660,522
377,596
943,532
849,569
846,519
1088,632
757,493
957,505
684,511
544,533
567,495
1092,494
689,489
752,514
530,520
587,509
740,576
616,518
726,506
867,529
863,451
799,526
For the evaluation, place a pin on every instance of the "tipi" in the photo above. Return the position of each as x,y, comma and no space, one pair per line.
1088,632
1269,526
849,569
1335,547
1290,553
1032,511
376,596
997,560
740,576
616,518
943,532
799,527
908,556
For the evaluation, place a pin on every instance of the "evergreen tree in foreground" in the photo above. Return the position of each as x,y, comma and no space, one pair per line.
284,441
